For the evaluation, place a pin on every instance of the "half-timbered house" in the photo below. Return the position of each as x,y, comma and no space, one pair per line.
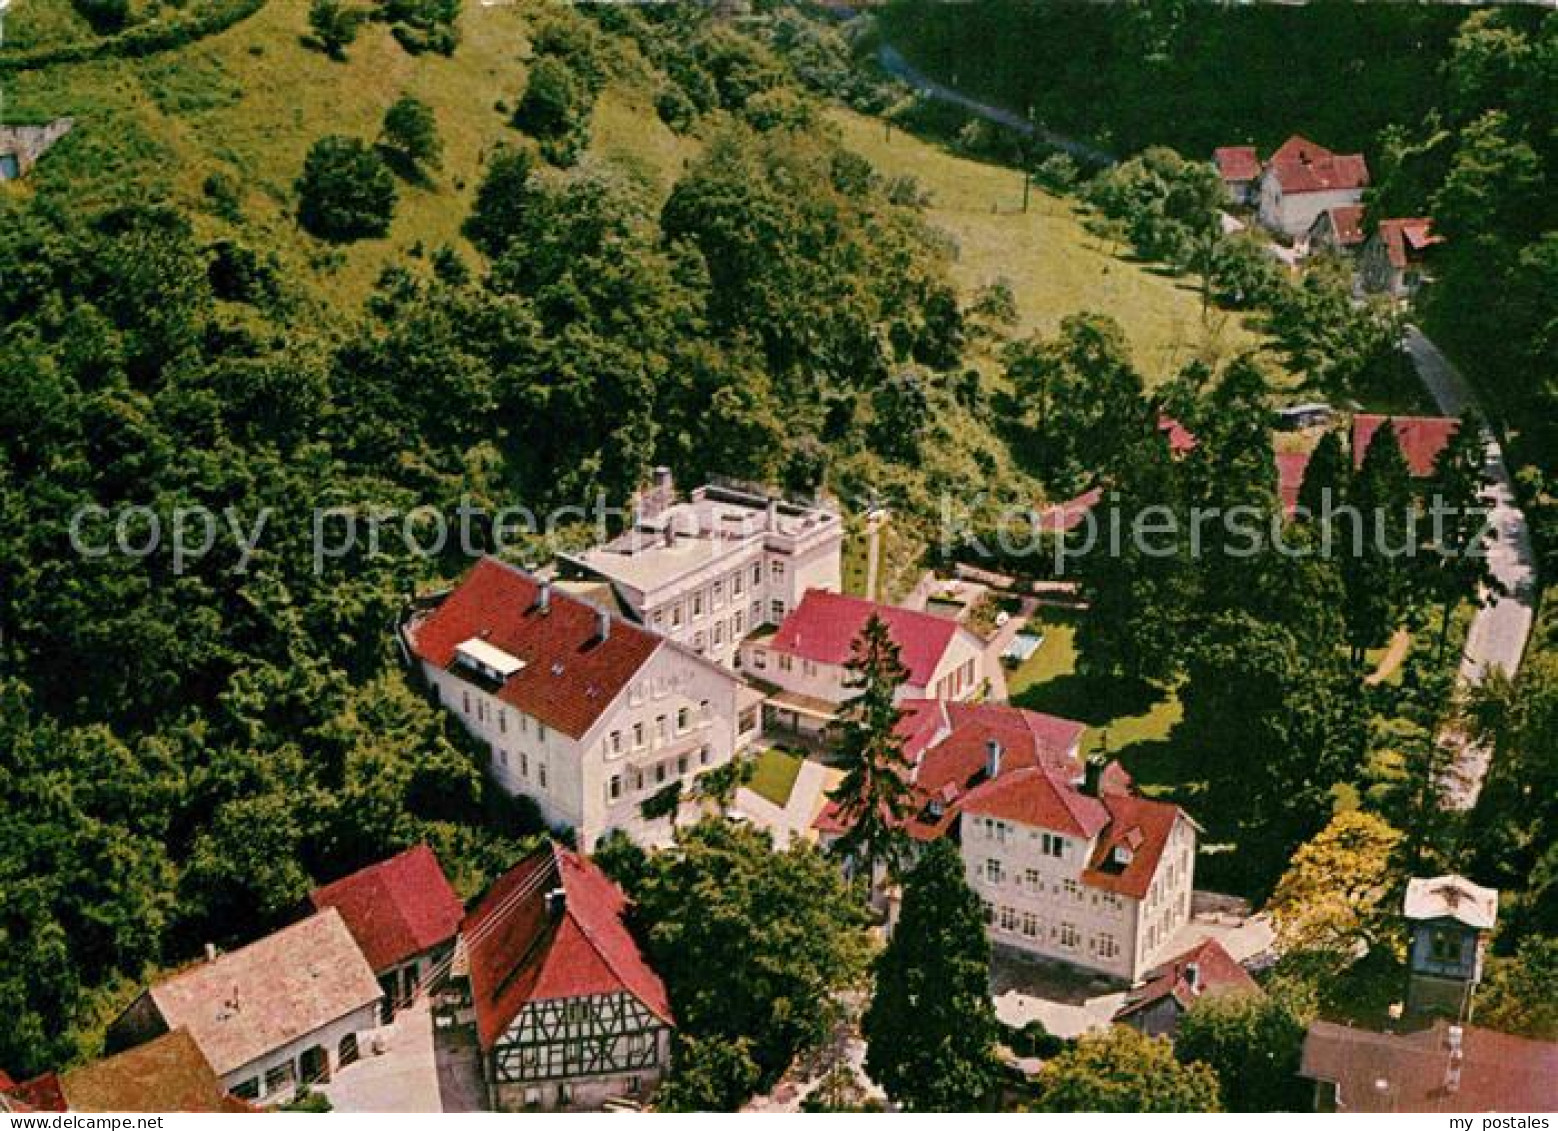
569,1015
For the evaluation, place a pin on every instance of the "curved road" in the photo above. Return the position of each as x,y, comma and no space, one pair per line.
1499,631
895,64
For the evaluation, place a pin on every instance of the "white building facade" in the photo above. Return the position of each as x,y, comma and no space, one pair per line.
708,571
1067,897
596,716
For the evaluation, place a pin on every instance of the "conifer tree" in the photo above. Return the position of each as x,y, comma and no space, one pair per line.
873,797
930,1025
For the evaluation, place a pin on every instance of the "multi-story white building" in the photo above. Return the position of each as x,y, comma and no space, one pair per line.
1070,866
707,571
1302,180
804,665
583,712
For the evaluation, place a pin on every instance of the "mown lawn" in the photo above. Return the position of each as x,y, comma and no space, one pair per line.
1055,266
1134,723
775,774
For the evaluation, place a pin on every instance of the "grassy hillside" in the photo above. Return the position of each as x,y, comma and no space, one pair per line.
250,101
1055,266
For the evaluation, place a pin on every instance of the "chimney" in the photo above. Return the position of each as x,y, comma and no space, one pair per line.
773,515
993,754
557,902
210,952
668,534
603,625
1092,775
544,597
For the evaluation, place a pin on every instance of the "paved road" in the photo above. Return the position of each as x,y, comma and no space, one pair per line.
894,63
1498,634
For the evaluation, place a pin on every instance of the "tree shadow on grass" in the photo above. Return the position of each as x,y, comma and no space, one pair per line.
1089,699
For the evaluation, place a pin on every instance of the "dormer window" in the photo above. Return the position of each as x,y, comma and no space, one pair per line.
486,660
1122,855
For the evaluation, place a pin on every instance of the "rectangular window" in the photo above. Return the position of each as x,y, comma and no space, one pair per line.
662,729
616,742
1073,890
540,732
1033,880
660,774
614,787
735,584
760,659
994,872
1070,938
776,572
681,766
683,719
718,597
1030,924
466,695
739,622
719,633
698,641
786,663
777,608
524,764
658,619
1052,845
1008,920
676,615
697,604
757,574
1107,946
541,774
503,720
757,612
703,755
638,736
249,1089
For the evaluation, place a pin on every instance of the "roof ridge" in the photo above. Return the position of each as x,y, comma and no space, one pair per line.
588,932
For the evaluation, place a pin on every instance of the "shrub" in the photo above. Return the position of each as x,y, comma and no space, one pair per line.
346,191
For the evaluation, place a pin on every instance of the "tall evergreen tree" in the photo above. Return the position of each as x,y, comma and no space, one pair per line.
1327,470
873,796
1456,568
1374,558
930,1026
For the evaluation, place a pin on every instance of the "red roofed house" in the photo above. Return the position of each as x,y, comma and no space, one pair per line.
1393,259
404,916
1071,866
568,1012
804,661
1302,180
1181,440
580,710
169,1073
1239,168
1443,1068
1422,438
1167,992
1339,229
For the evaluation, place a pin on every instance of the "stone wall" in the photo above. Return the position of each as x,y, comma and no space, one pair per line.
26,144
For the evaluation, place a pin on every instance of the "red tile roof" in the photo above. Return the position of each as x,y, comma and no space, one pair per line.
1236,162
1069,515
1038,798
1180,438
1410,1072
1300,166
1215,972
41,1093
947,746
395,909
1290,477
519,951
1406,240
570,676
1422,438
1141,825
824,626
1346,222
